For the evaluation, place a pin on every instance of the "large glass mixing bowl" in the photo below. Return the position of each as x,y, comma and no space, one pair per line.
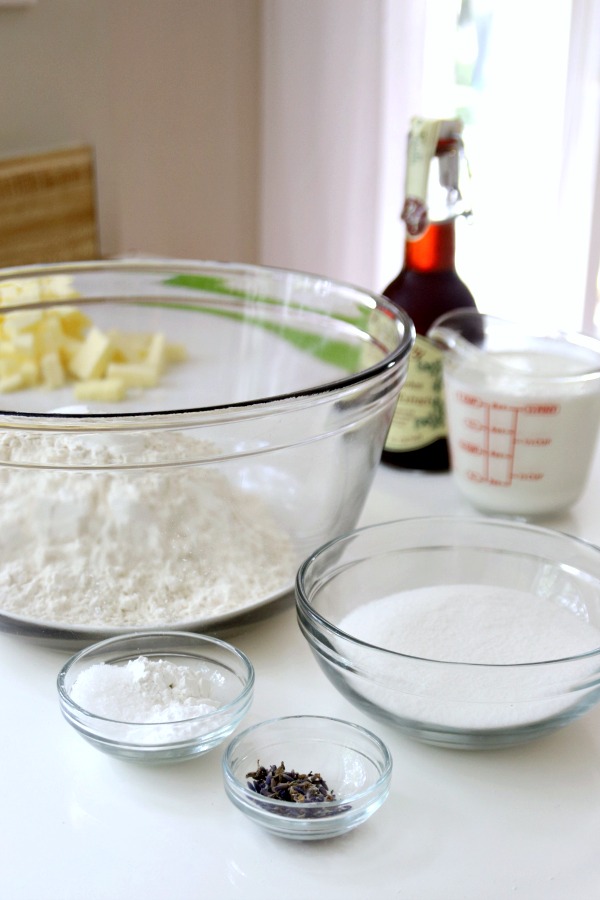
187,500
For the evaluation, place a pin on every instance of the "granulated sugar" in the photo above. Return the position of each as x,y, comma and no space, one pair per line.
473,624
122,547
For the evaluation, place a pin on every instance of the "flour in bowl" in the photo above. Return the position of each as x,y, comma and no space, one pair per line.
95,543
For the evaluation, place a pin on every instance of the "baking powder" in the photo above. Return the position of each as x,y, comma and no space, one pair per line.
143,691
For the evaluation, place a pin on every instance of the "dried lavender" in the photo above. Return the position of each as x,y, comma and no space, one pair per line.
279,784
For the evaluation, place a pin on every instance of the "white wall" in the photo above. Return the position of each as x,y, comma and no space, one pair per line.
253,130
167,92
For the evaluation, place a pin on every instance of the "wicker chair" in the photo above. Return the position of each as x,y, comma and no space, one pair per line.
48,207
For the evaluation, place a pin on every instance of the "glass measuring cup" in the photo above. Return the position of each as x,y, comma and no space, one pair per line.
522,411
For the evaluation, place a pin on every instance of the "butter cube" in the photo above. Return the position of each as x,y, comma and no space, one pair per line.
129,347
30,373
24,343
49,335
11,383
7,349
156,354
8,366
102,389
69,347
92,357
133,374
23,320
56,287
73,321
52,371
19,290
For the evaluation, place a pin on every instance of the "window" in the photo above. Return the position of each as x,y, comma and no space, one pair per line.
341,79
523,75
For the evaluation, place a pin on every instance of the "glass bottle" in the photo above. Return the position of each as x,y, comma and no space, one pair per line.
427,286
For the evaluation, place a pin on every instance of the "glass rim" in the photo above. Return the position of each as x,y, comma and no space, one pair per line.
198,415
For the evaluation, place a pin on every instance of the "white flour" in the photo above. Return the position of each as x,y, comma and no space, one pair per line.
473,624
120,548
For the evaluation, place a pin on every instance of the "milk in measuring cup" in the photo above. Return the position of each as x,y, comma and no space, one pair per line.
522,427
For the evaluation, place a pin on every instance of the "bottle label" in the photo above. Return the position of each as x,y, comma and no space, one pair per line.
419,418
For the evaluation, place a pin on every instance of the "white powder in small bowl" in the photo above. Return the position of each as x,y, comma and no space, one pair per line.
143,690
146,691
473,628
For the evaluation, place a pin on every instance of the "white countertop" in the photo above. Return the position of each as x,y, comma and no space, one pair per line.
458,825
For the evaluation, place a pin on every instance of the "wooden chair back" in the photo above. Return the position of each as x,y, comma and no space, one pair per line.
48,207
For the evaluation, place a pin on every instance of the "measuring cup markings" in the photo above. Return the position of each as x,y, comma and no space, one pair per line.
522,411
501,422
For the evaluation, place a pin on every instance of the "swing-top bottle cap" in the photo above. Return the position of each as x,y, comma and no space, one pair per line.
427,139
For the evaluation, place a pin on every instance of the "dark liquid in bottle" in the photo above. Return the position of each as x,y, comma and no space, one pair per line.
425,293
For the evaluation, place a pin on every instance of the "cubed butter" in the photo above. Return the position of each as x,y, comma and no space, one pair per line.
23,320
30,373
92,357
58,344
49,335
24,343
156,354
56,287
7,350
11,383
68,349
52,371
19,290
73,321
133,374
103,389
8,365
129,347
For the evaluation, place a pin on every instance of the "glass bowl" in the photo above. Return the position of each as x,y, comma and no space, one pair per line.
463,632
209,685
252,421
354,763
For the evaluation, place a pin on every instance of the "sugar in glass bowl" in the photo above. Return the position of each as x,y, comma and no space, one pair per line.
130,713
353,762
463,632
176,436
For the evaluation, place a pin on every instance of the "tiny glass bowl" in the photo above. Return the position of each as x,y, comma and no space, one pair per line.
227,672
355,764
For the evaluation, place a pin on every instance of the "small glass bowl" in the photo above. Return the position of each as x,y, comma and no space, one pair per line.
355,764
228,672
